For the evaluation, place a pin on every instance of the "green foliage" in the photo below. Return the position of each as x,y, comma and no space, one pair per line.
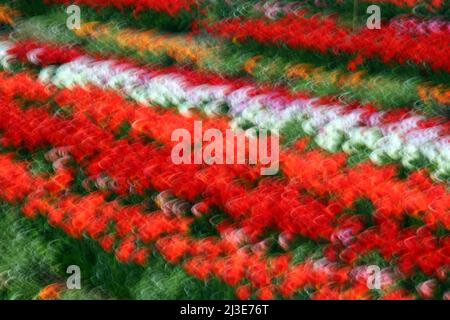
34,255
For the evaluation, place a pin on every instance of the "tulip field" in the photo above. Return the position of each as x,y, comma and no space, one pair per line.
93,94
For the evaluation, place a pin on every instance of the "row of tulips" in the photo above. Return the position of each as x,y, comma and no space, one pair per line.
398,135
100,113
324,35
190,51
184,49
244,267
151,46
272,203
174,15
132,231
74,217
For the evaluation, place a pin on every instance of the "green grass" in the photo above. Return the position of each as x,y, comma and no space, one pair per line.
34,255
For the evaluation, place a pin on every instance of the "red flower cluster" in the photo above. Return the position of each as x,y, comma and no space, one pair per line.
43,54
323,34
393,198
15,182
